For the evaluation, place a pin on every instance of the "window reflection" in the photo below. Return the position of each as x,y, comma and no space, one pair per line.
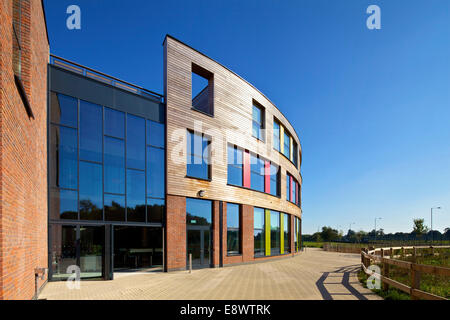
155,172
64,168
198,212
63,110
155,134
274,232
155,210
235,166
198,156
64,204
114,207
114,123
91,202
135,195
257,173
259,232
90,131
233,224
135,142
114,165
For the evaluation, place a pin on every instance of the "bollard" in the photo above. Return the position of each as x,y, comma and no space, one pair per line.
190,262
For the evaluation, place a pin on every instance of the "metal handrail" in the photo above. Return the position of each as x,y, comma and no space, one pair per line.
98,75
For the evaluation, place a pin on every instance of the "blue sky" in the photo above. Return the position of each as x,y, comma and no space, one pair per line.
372,107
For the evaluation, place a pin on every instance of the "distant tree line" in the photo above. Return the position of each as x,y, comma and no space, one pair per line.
419,233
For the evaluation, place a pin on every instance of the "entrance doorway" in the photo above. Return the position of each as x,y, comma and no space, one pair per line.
199,245
77,247
137,248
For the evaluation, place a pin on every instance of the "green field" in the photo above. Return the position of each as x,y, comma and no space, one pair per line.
438,285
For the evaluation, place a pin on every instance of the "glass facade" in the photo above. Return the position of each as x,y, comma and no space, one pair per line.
235,166
105,165
259,232
287,232
287,145
274,233
198,156
274,180
257,122
257,173
233,229
276,136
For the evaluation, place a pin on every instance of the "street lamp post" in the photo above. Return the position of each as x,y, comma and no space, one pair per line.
432,236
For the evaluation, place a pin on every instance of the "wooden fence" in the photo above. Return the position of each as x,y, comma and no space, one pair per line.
386,257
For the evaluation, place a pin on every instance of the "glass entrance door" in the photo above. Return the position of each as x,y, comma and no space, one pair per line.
199,245
80,247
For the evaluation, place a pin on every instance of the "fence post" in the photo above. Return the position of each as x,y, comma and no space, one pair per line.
414,255
415,281
385,270
402,253
391,254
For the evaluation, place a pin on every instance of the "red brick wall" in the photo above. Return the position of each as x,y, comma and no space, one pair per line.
175,244
23,154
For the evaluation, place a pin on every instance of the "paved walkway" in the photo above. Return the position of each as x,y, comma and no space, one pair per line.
314,274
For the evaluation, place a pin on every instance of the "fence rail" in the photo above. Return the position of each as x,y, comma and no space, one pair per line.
379,255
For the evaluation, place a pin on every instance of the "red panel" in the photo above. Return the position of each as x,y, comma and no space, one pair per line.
246,169
292,191
267,177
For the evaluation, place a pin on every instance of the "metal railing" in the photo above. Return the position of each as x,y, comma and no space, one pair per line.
103,77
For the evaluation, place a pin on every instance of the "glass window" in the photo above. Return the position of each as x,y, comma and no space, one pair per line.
276,135
135,195
91,120
257,170
295,151
91,200
64,157
296,233
155,173
274,180
114,123
198,155
64,204
114,165
135,142
257,122
201,91
155,134
198,212
288,187
233,223
286,232
287,145
258,232
114,207
155,210
294,187
274,232
235,166
64,110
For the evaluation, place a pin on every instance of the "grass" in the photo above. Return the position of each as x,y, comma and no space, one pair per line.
312,244
435,284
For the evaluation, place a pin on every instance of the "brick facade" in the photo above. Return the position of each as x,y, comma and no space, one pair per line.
175,241
23,152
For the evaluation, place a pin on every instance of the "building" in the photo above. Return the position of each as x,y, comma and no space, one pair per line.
207,173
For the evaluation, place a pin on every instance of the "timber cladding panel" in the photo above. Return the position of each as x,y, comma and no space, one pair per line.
232,123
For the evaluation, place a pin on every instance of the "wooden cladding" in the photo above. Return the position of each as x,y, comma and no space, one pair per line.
231,123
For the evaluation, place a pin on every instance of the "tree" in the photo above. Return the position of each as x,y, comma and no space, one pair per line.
329,234
419,227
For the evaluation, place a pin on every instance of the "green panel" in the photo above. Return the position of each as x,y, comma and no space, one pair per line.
267,230
281,233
